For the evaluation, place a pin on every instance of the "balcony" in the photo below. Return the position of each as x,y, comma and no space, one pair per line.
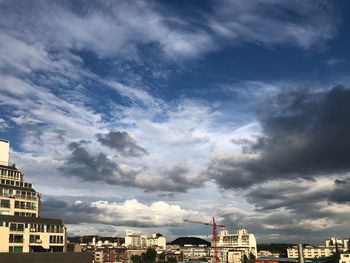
26,197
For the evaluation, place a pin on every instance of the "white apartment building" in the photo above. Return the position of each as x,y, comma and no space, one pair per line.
157,241
343,244
239,241
344,257
195,252
21,227
142,241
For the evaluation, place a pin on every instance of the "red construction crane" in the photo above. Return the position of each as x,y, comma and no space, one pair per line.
214,238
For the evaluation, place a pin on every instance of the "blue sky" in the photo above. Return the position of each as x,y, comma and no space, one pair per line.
233,109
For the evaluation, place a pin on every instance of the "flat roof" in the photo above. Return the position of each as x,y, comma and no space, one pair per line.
33,220
11,167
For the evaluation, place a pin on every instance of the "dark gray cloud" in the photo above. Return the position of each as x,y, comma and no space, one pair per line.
99,167
341,193
306,134
122,142
175,179
70,213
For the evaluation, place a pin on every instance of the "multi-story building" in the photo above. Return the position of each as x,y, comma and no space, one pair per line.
135,241
195,251
240,241
157,240
142,241
342,244
311,251
21,227
332,245
345,257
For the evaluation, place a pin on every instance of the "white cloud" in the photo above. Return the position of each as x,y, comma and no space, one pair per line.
133,212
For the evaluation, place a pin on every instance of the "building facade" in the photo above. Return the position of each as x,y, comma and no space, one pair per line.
21,227
344,257
331,246
142,241
241,241
311,251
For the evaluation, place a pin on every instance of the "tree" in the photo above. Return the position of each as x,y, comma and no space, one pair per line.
150,255
252,256
136,259
245,259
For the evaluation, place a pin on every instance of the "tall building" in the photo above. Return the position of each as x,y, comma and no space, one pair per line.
21,227
233,246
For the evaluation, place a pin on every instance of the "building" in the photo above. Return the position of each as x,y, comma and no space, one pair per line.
345,257
239,241
157,241
135,241
21,227
331,246
311,251
195,251
342,244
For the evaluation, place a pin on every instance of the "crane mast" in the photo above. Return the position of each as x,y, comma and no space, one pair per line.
214,235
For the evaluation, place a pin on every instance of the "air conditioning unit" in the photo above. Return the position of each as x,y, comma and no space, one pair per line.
38,241
32,230
12,196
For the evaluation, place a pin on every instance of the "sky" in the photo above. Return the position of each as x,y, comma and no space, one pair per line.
136,115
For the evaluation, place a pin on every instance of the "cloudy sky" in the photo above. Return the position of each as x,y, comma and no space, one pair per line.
134,115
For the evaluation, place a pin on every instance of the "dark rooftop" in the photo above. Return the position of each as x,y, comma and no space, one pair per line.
10,166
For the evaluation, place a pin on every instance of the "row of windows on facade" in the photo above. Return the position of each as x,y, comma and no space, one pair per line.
10,174
16,183
25,214
17,193
16,238
33,227
18,204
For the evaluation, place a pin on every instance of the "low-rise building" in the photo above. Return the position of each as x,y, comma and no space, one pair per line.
195,251
332,245
311,251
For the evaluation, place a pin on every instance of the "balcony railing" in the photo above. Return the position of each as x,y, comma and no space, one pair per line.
26,197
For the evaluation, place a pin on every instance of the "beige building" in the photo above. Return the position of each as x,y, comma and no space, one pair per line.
239,241
345,257
142,241
328,250
311,251
21,227
195,252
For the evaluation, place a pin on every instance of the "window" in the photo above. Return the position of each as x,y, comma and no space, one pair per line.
56,239
16,227
5,203
16,238
34,239
15,249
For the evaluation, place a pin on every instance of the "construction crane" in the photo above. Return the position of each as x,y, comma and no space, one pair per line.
214,238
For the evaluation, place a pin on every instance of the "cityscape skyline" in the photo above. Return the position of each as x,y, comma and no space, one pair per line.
137,115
